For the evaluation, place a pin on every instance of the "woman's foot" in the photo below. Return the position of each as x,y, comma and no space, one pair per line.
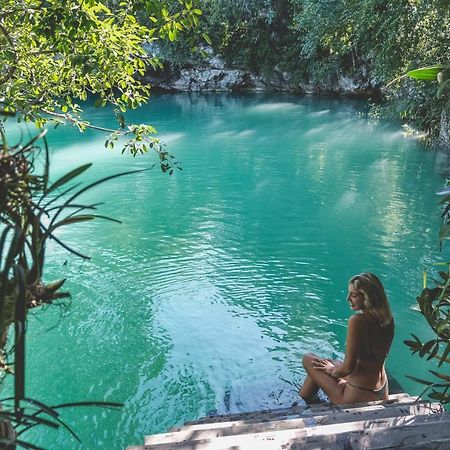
314,400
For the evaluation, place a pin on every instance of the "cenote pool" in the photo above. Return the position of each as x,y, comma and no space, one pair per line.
222,276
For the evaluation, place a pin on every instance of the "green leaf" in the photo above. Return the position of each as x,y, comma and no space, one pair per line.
54,285
444,275
98,216
440,396
73,219
19,335
440,375
446,192
36,138
27,445
14,248
39,420
62,194
433,352
413,345
69,249
426,73
426,348
444,355
207,38
418,380
68,176
86,188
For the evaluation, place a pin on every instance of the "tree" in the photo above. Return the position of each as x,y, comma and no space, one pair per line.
55,53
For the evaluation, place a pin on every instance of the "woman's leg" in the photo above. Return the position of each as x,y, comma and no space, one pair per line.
316,379
308,390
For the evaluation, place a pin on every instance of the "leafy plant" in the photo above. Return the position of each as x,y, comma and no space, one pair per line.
32,210
438,72
56,53
434,304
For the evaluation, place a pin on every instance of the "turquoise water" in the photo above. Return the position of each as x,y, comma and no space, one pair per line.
222,276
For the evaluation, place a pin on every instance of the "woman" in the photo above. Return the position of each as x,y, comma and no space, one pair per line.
361,376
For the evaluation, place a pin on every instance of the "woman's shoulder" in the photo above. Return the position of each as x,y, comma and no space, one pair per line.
357,317
357,320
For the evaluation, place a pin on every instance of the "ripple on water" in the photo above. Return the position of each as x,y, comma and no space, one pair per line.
221,277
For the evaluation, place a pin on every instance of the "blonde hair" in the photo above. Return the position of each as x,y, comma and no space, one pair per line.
375,301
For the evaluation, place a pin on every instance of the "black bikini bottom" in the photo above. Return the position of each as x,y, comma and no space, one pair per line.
378,392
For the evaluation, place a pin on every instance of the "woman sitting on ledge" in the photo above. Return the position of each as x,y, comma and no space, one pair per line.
361,376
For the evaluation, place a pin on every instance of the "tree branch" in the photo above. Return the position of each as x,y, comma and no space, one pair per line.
75,121
13,66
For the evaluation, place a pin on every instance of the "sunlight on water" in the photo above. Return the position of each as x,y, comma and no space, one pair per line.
222,276
274,107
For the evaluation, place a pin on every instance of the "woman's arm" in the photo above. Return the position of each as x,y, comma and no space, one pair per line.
354,337
352,346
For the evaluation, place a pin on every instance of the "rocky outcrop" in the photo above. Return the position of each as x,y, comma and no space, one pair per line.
340,83
218,79
205,79
212,75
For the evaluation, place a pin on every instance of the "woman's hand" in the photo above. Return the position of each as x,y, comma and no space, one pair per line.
325,365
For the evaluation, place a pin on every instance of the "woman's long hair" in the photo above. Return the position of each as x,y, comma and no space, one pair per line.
375,302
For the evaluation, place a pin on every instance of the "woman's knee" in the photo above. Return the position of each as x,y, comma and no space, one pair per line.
308,359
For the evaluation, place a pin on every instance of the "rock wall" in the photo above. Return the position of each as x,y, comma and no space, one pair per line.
212,75
217,79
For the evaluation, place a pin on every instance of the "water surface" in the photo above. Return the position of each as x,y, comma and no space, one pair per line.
222,276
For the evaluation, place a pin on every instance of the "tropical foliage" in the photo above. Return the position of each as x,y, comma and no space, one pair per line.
434,303
31,211
54,54
318,41
380,40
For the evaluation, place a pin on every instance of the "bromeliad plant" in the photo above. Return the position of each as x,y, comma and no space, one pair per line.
31,211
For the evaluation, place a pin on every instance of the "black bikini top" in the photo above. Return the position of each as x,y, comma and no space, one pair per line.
383,335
